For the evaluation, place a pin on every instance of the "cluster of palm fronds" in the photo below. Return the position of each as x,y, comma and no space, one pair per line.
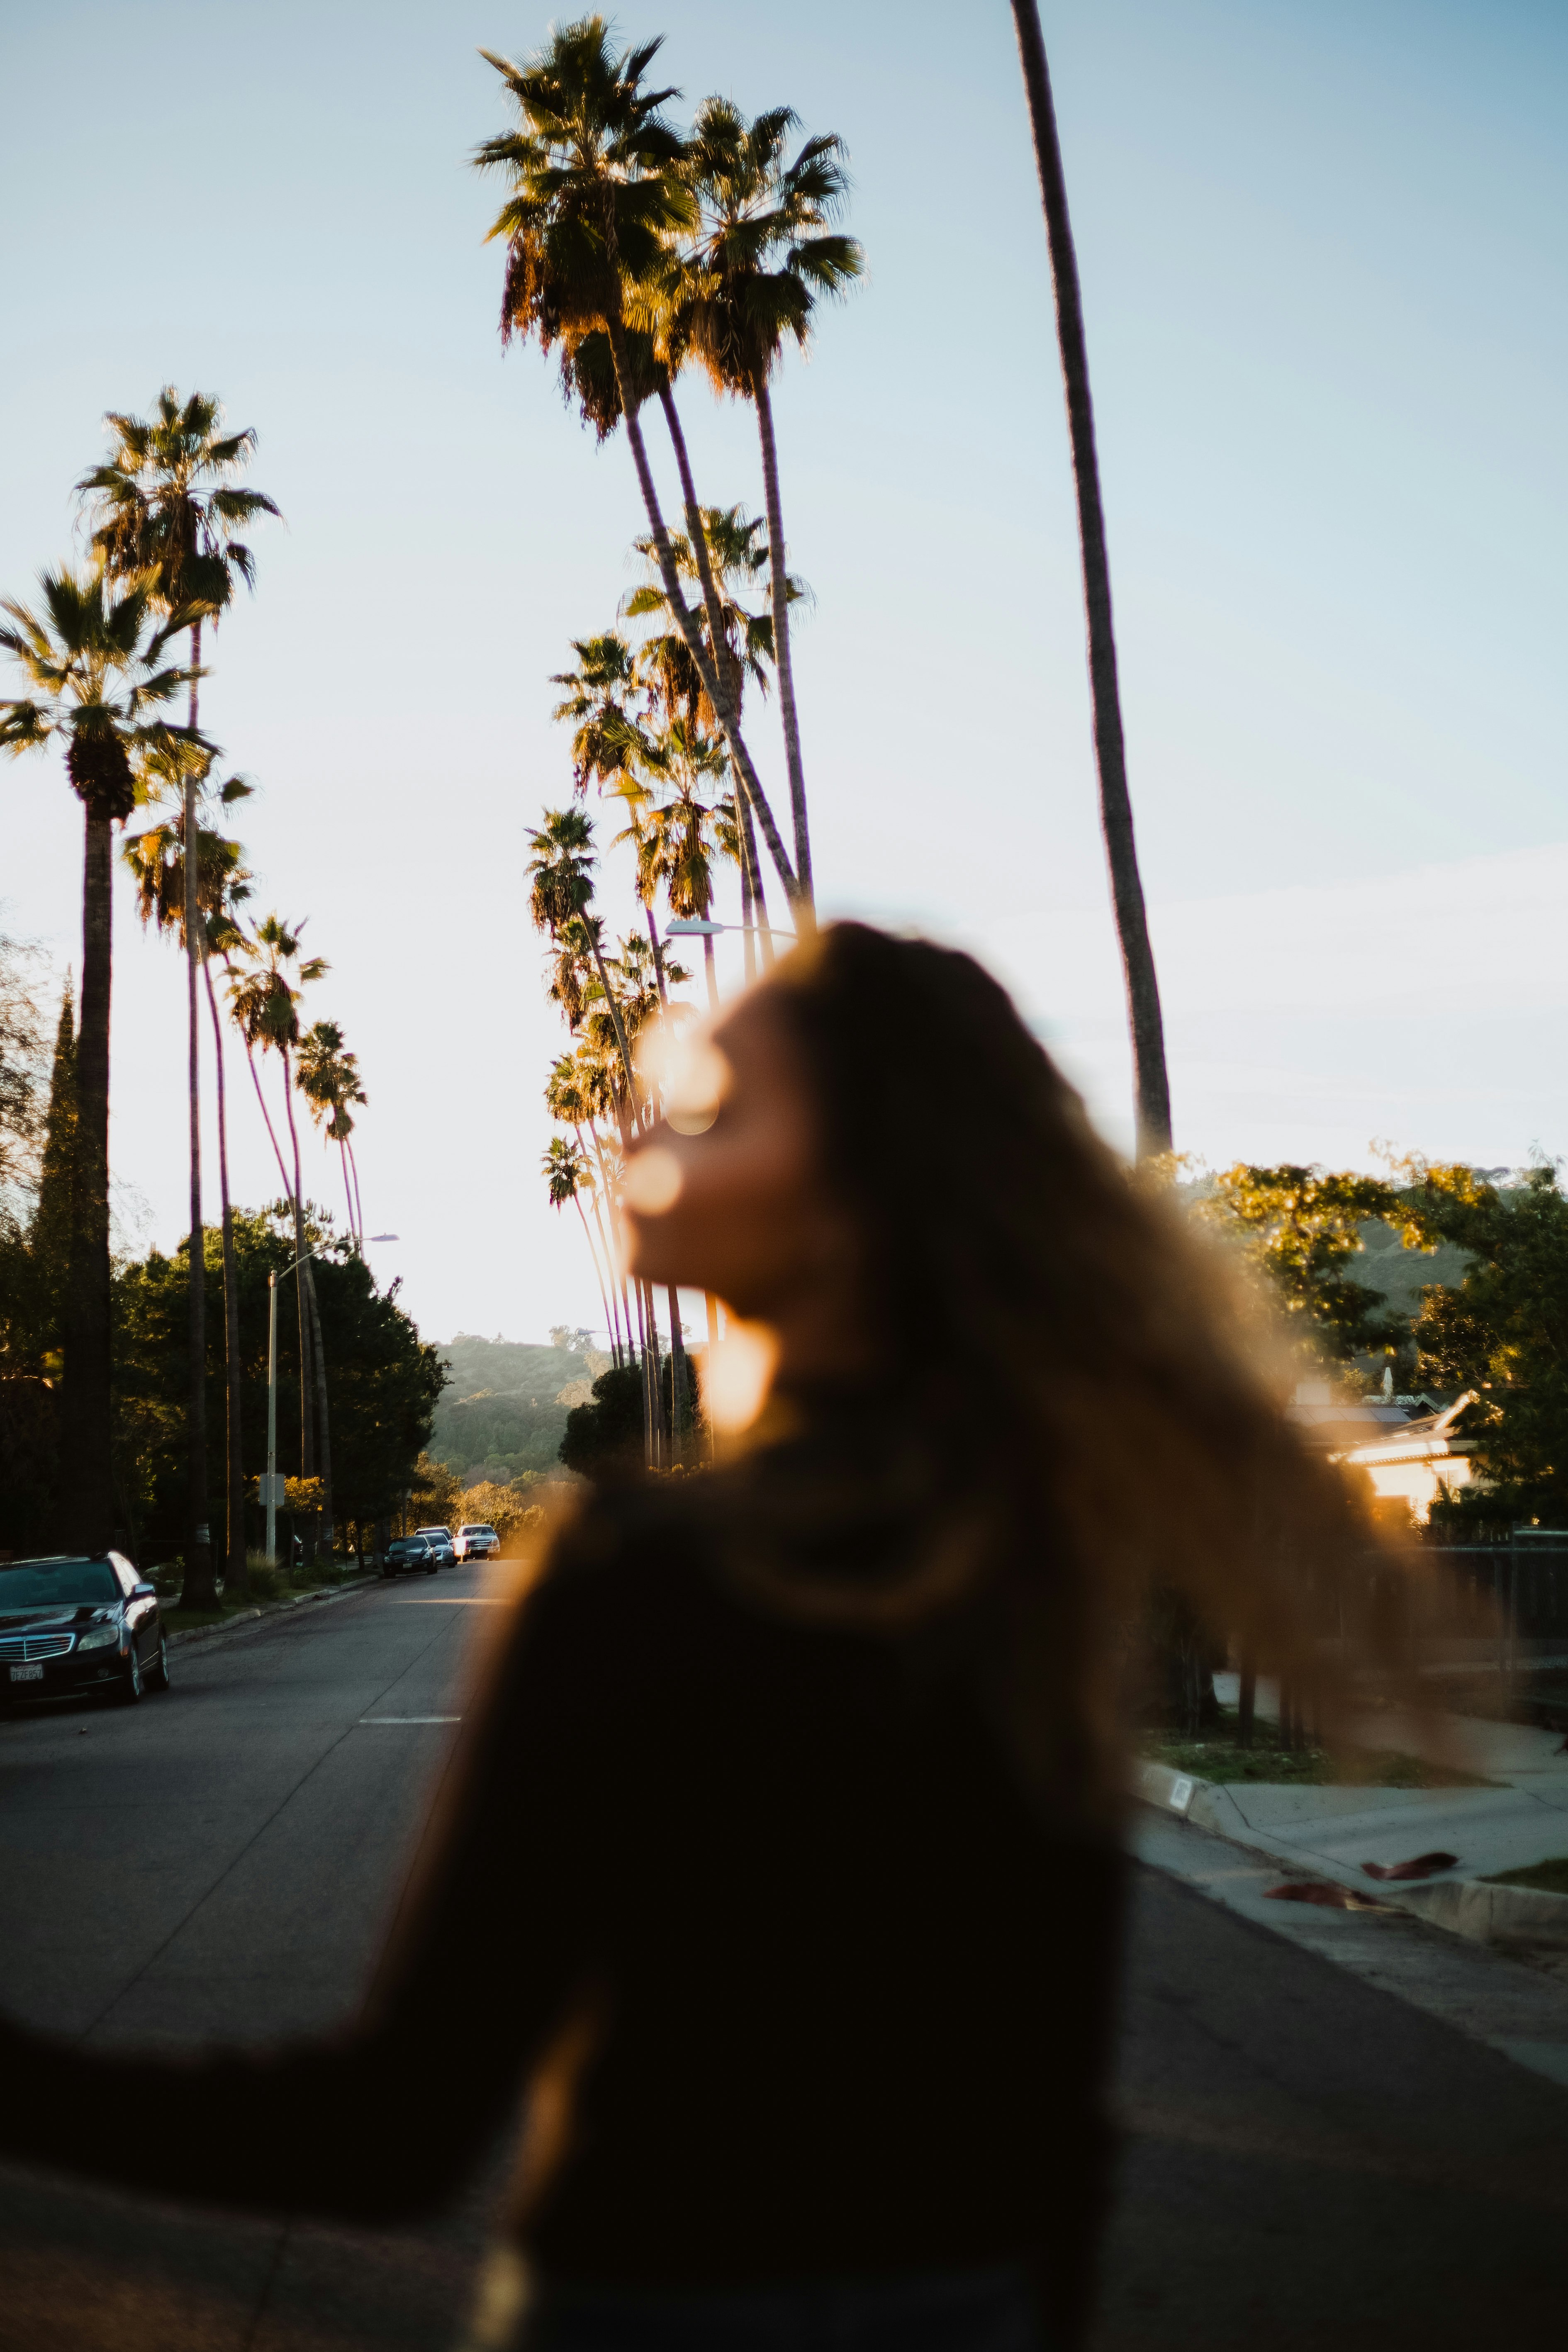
636,250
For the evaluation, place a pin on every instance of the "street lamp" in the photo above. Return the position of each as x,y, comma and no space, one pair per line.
273,1482
697,927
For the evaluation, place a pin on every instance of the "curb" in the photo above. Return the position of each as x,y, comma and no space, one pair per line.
1508,1917
247,1620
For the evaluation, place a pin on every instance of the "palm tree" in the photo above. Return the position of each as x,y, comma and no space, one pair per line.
762,253
166,505
745,643
566,1100
327,1074
266,1002
1151,1081
565,1171
156,860
595,193
561,870
91,656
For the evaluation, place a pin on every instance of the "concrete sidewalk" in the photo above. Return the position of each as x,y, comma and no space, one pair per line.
1332,1832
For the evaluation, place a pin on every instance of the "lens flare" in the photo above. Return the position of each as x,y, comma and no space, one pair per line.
736,1373
697,1083
652,1183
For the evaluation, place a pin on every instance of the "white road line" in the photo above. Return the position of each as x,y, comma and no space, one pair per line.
410,1719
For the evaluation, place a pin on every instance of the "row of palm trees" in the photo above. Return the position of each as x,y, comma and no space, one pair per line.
167,509
635,251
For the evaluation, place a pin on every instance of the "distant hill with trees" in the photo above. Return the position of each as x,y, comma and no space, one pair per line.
504,1408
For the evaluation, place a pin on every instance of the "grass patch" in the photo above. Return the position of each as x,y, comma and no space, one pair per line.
1218,1756
268,1586
1549,1877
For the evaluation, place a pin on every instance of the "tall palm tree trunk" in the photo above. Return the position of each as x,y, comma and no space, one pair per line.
236,1577
348,1188
660,1451
677,1381
614,1254
598,1276
782,658
266,1117
307,1433
200,1589
748,908
320,1356
759,896
639,1291
88,1484
359,1203
711,1303
609,1294
684,620
1151,1081
711,970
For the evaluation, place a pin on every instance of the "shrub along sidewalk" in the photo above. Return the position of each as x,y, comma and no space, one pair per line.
271,1589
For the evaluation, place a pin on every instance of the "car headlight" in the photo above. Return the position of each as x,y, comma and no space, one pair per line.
99,1637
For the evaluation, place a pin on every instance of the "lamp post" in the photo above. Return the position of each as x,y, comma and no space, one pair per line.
272,1281
693,927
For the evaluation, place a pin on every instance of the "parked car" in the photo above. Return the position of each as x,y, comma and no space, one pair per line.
404,1554
78,1622
440,1542
475,1542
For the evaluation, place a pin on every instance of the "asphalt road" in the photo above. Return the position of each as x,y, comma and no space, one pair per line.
1310,2158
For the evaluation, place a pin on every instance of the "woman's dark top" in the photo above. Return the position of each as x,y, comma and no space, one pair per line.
802,1983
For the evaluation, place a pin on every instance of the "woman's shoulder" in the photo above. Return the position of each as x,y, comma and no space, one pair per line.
628,1547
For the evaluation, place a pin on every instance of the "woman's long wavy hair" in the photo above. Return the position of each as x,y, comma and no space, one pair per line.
1085,1387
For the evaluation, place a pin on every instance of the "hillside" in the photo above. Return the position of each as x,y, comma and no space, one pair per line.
500,1412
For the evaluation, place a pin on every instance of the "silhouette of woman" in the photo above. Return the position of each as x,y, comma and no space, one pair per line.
779,1862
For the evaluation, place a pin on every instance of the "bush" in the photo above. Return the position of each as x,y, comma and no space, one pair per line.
604,1439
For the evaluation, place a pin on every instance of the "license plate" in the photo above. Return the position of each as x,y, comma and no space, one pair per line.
26,1674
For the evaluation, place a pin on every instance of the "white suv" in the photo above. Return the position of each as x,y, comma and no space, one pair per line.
477,1542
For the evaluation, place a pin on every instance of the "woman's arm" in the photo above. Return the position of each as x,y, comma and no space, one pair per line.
387,2117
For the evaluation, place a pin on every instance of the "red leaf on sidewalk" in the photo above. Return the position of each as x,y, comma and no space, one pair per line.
1330,1898
1422,1867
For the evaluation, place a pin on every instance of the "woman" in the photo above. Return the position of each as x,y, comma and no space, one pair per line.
781,1861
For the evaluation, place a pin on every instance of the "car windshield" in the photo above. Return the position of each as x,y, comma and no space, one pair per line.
408,1543
56,1584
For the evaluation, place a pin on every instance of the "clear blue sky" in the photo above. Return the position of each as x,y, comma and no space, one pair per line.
1323,254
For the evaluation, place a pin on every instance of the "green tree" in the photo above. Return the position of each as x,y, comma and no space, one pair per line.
35,1245
1504,1331
762,253
168,509
91,653
1151,1081
595,193
603,1439
1301,1226
386,1378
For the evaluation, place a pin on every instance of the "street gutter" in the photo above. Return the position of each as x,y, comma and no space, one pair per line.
1516,1918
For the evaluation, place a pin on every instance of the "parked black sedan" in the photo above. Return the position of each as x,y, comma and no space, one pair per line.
404,1554
73,1624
